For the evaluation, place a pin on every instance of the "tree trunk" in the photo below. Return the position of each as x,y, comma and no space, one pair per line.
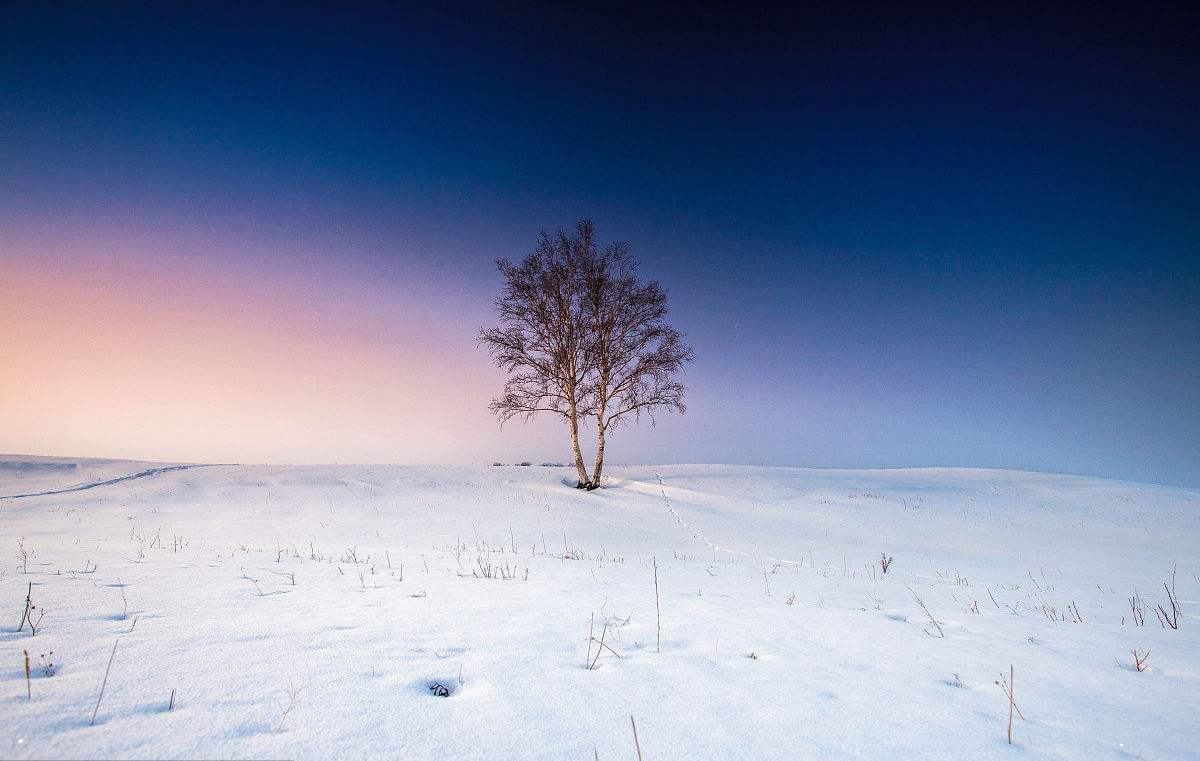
580,468
599,452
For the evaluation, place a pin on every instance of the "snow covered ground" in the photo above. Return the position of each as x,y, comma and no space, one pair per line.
304,612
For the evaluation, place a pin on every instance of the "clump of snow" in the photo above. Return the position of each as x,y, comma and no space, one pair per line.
312,612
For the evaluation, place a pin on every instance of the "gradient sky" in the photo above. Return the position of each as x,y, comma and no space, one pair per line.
893,238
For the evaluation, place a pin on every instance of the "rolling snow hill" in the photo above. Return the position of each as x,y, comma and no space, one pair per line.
305,612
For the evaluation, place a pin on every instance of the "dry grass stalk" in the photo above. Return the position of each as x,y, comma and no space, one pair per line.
1006,685
657,610
1137,610
636,744
603,632
932,620
105,682
293,695
25,614
1169,619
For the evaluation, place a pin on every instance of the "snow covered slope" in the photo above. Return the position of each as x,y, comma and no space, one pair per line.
304,612
26,475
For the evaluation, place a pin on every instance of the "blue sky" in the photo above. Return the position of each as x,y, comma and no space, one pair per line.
894,238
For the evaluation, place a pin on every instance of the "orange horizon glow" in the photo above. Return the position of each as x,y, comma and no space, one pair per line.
113,352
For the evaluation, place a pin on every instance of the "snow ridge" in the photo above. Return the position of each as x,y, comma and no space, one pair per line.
107,482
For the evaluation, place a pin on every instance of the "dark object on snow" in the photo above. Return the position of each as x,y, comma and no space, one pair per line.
440,690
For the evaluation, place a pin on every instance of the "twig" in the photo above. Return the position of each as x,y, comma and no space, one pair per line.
28,689
105,682
932,620
1006,686
25,615
587,660
1169,619
1011,682
293,694
171,705
657,610
636,744
603,632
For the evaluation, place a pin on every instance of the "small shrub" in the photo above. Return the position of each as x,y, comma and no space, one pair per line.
1169,619
24,555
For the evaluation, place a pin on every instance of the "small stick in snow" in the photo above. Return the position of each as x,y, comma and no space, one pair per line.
609,649
636,744
600,649
591,638
1011,682
932,620
28,597
171,705
1006,685
293,694
104,683
29,690
131,628
1170,619
657,610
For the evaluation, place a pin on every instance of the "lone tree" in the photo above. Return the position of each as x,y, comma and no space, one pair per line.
541,341
580,337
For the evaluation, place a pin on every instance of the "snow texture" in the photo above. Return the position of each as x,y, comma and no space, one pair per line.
395,612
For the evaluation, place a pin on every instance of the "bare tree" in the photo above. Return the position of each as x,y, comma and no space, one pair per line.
541,341
634,356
